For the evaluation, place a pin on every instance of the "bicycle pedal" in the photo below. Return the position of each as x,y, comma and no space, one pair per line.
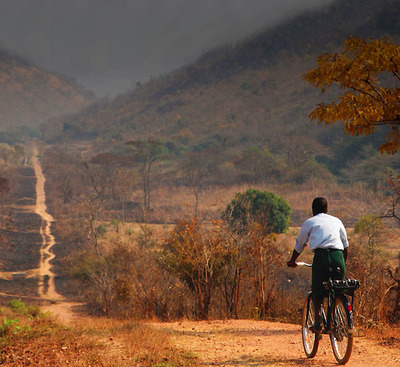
316,327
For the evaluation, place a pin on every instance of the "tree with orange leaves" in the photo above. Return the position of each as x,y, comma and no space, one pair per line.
369,74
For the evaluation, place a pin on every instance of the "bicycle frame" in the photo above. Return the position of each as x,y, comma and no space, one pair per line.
331,300
337,318
328,323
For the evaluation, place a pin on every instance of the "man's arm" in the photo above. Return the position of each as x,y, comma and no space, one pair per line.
345,253
292,262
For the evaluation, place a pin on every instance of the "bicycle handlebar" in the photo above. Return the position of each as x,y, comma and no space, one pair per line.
304,264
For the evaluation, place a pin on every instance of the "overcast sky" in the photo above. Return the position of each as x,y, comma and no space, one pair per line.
109,45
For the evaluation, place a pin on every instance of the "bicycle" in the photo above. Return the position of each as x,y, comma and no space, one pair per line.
337,317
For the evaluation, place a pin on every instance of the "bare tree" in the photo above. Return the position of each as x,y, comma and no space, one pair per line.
196,253
394,202
123,186
195,168
146,154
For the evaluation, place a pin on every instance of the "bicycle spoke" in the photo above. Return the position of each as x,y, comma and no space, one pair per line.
341,340
310,339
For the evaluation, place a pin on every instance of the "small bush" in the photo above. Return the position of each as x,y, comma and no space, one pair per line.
129,232
101,230
17,306
33,311
9,326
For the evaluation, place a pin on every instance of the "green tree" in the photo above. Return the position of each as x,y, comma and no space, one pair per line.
254,217
369,74
269,210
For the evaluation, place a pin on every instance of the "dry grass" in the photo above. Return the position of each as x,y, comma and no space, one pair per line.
38,340
171,203
386,335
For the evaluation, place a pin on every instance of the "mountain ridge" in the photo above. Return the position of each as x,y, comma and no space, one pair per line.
263,50
29,96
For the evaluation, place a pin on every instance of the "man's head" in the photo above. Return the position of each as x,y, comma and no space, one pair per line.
319,205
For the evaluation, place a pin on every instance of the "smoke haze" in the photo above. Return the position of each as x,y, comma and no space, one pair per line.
109,45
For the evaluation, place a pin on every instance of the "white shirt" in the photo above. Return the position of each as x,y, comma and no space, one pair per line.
322,231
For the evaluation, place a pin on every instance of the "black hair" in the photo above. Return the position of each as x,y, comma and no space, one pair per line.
319,205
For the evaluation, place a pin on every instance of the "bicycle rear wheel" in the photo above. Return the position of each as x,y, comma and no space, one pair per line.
310,339
341,339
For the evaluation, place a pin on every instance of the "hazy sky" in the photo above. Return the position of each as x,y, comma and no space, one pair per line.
109,45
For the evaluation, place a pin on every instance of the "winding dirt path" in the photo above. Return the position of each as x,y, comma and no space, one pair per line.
57,304
47,287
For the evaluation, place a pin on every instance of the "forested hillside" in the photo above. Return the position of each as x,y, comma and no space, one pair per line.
250,100
29,96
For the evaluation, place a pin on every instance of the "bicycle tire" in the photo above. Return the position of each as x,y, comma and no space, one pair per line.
310,339
341,339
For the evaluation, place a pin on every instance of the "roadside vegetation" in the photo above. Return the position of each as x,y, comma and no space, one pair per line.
29,337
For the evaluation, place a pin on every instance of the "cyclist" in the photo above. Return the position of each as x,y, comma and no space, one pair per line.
327,238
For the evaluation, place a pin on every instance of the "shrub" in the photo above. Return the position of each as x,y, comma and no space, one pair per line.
269,210
17,306
9,326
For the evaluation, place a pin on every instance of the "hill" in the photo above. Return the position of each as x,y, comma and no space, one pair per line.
246,95
29,96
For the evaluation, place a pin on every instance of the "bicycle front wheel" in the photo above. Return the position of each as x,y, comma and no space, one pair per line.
341,339
310,339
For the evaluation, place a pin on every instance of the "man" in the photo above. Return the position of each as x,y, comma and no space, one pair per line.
327,238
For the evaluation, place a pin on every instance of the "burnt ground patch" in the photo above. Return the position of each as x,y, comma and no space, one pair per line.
20,234
23,187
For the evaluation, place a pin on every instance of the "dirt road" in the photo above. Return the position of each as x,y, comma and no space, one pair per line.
58,306
47,291
261,343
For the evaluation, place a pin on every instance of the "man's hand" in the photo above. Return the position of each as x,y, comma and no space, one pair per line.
292,262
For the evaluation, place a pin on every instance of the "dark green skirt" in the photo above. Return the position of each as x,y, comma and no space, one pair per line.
323,260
